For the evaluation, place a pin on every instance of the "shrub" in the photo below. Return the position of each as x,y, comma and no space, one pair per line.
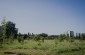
71,39
1,41
61,37
42,39
20,39
39,43
37,38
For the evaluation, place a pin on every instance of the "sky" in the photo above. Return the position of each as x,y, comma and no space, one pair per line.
45,16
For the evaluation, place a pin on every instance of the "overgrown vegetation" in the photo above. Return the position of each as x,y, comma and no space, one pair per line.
40,43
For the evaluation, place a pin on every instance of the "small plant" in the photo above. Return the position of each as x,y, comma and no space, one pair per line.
42,39
35,47
56,41
71,39
39,44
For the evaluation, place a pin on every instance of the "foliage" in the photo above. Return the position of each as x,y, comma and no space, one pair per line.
29,34
62,37
43,35
3,31
53,36
58,44
4,27
20,38
49,46
82,36
37,38
56,41
42,39
10,29
1,40
71,39
25,36
32,35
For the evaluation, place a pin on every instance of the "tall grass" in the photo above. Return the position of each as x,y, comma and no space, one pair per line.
51,47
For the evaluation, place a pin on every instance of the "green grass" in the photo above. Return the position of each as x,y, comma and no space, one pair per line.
31,47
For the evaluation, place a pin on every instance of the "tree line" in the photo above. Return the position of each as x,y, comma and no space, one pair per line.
9,32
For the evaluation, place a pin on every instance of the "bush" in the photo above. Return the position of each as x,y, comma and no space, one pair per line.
39,44
1,40
71,39
20,39
62,37
42,39
37,38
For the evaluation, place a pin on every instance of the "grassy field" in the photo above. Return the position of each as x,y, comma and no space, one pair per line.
48,47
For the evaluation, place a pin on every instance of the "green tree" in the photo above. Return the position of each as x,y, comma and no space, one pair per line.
82,36
52,36
43,35
3,27
11,31
3,37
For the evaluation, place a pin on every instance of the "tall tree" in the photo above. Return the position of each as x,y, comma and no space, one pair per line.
3,31
10,29
4,27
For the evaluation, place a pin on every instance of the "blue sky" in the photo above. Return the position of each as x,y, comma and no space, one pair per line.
45,16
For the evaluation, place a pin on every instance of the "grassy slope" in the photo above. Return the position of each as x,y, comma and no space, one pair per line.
49,47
